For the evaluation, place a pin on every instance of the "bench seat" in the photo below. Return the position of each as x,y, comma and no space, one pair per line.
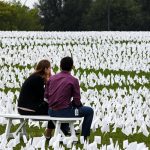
24,118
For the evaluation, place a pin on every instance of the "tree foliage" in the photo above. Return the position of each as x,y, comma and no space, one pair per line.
125,15
145,11
75,15
17,17
63,15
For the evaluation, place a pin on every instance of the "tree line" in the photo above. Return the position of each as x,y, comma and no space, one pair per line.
14,16
77,15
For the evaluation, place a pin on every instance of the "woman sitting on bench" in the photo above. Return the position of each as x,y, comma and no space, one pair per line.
31,98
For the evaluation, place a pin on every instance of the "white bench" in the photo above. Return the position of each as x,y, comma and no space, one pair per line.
24,118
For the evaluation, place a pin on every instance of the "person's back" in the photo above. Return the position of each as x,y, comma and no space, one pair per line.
61,88
32,92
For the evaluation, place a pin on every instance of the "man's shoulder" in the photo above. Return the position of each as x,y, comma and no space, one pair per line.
55,76
73,78
60,75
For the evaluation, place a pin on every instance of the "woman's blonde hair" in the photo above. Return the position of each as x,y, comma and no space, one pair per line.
40,67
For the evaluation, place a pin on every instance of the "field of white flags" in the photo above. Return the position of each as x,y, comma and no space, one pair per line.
114,73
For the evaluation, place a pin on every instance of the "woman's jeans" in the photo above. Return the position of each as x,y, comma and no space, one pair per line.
84,111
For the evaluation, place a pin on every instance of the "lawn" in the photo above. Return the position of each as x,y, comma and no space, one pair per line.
114,73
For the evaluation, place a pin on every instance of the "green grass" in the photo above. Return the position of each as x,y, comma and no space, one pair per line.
117,136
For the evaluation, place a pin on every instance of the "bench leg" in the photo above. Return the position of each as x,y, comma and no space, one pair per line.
59,131
21,127
24,130
55,133
8,134
57,128
8,126
72,130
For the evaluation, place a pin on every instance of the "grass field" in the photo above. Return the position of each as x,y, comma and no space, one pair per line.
114,73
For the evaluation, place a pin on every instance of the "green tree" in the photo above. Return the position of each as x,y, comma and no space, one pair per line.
73,12
123,14
145,12
145,4
96,17
6,19
14,16
62,15
50,11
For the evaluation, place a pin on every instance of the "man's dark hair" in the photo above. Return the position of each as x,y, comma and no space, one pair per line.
66,63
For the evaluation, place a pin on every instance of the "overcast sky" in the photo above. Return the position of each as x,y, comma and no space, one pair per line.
28,3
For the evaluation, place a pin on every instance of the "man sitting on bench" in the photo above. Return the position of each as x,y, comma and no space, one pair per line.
60,89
